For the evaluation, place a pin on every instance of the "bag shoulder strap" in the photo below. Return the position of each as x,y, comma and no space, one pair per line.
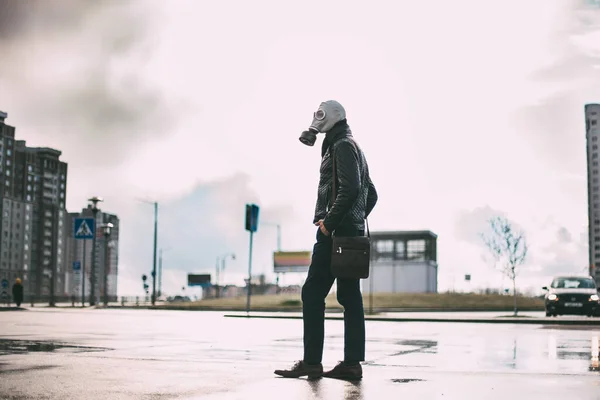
334,181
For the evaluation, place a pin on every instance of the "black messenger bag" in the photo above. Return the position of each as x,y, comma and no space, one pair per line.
350,256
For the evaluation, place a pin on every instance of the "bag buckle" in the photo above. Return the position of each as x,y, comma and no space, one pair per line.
339,250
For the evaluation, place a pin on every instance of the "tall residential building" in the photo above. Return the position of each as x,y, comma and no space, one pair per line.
592,126
32,192
80,250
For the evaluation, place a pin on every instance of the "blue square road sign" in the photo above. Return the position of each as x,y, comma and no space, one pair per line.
84,228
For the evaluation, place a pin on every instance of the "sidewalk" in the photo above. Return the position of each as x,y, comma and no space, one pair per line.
453,317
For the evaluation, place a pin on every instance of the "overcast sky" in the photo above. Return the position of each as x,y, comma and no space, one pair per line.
465,109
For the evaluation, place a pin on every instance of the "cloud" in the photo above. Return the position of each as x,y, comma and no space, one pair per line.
71,75
201,225
554,126
470,224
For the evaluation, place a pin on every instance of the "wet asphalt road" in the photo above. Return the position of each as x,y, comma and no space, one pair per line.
145,354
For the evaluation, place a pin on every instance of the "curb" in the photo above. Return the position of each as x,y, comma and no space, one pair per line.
329,310
501,320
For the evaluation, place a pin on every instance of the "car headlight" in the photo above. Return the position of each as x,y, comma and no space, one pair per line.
552,297
594,297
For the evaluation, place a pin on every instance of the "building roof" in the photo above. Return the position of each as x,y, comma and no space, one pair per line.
44,151
426,234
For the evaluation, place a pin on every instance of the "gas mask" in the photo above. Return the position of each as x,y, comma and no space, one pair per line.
329,113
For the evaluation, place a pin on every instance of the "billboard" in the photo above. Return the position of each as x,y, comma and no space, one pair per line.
199,280
291,261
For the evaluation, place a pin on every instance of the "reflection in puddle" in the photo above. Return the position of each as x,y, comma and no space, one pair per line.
10,346
595,365
552,354
569,352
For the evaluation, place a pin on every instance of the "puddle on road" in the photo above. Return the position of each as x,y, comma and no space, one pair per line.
405,380
13,346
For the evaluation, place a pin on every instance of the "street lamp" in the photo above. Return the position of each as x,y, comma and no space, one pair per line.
222,258
160,259
155,204
94,200
106,228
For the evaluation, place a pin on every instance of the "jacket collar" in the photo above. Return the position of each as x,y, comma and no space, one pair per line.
339,131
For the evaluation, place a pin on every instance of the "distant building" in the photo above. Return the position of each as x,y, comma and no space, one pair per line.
104,248
403,262
592,127
33,184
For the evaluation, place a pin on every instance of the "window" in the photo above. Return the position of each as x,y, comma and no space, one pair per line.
400,250
415,250
28,197
594,122
595,147
384,249
594,138
8,152
573,283
8,172
7,162
595,163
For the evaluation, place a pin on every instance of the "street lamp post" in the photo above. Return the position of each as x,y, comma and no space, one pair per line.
278,225
94,200
160,261
222,268
106,228
160,271
154,251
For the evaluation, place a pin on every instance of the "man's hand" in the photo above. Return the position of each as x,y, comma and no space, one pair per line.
322,227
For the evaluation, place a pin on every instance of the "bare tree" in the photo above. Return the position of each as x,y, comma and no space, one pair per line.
508,248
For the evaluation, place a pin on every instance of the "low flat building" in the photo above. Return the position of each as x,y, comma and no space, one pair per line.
403,262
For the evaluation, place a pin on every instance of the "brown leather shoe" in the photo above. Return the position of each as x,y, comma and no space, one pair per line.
346,372
300,368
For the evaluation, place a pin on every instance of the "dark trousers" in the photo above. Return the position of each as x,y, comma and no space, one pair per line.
315,289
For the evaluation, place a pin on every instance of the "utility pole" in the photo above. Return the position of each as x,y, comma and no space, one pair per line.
83,274
51,303
251,226
154,251
249,274
160,272
95,200
155,242
106,228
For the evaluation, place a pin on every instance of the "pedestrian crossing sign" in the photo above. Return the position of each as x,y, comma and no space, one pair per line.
84,228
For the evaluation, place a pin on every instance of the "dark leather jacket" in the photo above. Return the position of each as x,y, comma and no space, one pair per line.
355,193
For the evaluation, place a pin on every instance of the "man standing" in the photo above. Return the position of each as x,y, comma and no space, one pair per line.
17,292
355,199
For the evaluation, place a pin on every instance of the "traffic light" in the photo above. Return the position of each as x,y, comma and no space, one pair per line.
251,217
144,278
